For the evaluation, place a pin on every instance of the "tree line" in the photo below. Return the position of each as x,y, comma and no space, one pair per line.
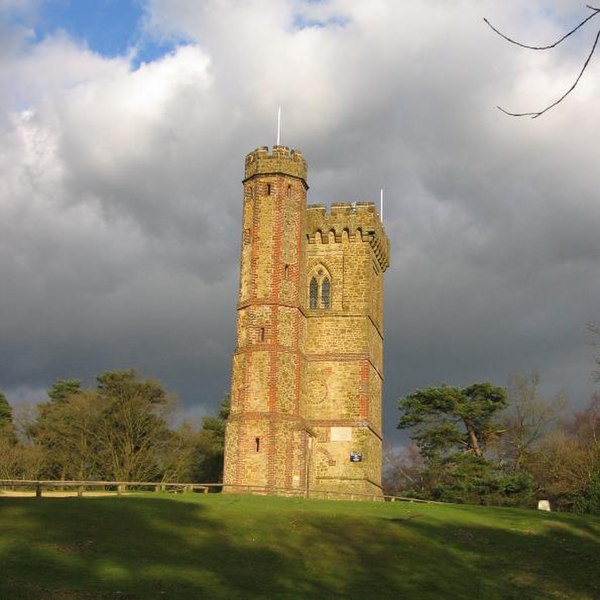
487,444
481,444
120,430
508,446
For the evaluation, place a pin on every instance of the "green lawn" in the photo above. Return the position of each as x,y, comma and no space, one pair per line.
228,546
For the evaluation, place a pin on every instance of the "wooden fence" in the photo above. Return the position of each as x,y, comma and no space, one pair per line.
119,487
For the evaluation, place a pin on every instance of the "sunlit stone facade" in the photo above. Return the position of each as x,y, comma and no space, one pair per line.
308,365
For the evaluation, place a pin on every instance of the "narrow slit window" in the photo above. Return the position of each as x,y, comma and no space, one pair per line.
325,293
286,272
289,191
257,442
262,334
268,189
313,293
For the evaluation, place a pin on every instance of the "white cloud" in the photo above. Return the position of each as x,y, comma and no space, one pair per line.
120,195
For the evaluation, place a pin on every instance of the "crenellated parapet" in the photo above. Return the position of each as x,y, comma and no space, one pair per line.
358,220
281,160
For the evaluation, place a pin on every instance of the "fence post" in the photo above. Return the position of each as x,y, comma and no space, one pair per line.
38,490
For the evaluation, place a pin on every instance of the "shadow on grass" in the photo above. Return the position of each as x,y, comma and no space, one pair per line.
125,548
529,557
149,547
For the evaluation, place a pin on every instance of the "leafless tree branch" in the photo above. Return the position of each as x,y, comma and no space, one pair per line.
564,37
536,114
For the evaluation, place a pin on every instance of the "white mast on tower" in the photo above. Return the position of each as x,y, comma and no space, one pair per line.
278,125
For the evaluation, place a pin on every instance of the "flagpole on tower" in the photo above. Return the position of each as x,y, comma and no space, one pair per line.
381,205
278,125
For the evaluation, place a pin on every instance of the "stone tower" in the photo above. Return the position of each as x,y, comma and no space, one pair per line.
308,365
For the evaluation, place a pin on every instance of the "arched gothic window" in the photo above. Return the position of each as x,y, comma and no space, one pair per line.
319,290
325,293
314,293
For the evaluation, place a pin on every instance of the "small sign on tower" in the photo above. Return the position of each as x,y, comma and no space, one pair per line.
355,456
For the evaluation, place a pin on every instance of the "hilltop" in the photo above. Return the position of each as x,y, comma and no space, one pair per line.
228,546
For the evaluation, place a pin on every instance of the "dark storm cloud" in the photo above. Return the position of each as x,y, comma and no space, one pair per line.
120,189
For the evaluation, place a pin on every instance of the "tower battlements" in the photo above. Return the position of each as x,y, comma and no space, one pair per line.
281,160
359,220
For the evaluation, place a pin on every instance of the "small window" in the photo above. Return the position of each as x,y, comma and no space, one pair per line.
313,293
325,293
289,191
262,334
319,291
286,272
257,442
268,189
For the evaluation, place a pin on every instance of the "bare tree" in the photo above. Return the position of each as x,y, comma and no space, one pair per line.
586,423
595,329
539,113
402,469
563,466
529,417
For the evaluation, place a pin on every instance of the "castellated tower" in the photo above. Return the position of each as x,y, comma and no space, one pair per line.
308,366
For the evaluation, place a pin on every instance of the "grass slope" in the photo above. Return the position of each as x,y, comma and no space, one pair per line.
227,546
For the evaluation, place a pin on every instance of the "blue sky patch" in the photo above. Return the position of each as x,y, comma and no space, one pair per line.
302,22
108,27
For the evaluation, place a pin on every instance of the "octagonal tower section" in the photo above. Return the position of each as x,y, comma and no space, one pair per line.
266,443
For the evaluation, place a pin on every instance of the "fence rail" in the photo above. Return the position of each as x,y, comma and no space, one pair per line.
120,487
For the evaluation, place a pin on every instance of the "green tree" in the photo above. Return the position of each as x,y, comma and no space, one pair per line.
448,419
588,501
67,431
132,430
455,429
178,457
18,458
63,388
210,446
118,431
8,441
5,410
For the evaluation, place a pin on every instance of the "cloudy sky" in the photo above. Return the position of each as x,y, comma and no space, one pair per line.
123,130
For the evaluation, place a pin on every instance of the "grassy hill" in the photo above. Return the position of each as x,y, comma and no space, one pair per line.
227,546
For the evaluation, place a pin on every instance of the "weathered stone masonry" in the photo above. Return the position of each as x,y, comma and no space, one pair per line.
308,366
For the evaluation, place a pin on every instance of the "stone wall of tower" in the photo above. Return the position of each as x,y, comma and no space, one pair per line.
344,347
265,439
307,374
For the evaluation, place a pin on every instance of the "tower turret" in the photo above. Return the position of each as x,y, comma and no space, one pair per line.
265,439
